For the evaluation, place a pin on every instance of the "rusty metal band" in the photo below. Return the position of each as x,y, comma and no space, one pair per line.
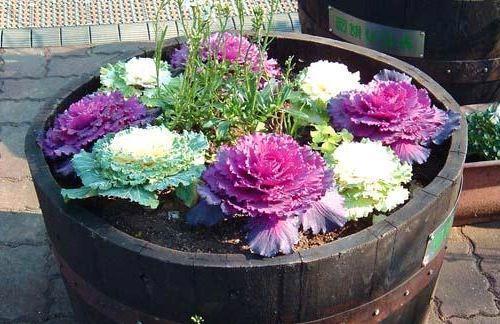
382,307
105,305
371,312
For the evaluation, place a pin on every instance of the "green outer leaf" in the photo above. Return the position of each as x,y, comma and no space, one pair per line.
78,193
357,208
85,167
188,194
135,194
182,178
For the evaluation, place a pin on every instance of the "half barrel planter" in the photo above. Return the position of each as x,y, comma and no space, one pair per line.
384,273
455,42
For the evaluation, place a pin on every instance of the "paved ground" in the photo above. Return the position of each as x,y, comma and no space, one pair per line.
36,23
43,13
31,289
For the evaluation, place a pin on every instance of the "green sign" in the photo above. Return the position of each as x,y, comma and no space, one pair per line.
397,41
438,238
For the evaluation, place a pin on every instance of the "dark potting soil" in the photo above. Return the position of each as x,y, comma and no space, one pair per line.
166,227
162,227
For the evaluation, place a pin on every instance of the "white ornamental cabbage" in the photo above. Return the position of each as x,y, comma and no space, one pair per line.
137,163
324,80
136,78
370,177
141,71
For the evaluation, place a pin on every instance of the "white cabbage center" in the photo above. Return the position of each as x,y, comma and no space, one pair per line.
142,71
364,162
139,143
324,80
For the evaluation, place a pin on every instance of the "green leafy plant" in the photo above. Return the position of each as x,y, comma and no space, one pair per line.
137,163
325,139
484,133
227,87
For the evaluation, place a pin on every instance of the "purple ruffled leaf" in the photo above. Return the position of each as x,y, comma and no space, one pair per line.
65,167
89,119
266,175
269,236
410,152
204,213
208,195
391,75
326,214
392,110
179,57
445,131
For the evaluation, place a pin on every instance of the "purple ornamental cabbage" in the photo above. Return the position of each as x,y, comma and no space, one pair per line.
89,119
233,48
278,184
179,57
392,110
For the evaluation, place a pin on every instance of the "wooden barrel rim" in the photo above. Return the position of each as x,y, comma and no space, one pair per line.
450,173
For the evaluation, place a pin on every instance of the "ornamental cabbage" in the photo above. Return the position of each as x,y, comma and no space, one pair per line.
392,110
323,80
484,133
238,49
137,163
278,184
179,57
231,48
370,177
137,77
88,120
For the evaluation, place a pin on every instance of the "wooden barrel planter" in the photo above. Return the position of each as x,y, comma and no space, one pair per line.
455,42
479,201
384,273
480,198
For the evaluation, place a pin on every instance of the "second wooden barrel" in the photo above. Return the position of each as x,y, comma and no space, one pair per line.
456,42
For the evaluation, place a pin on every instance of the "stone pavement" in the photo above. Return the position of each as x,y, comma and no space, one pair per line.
31,289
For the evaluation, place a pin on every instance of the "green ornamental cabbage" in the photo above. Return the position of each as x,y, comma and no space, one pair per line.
370,177
484,133
137,163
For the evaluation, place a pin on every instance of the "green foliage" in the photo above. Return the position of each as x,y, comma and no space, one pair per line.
114,169
222,99
304,111
325,139
484,133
